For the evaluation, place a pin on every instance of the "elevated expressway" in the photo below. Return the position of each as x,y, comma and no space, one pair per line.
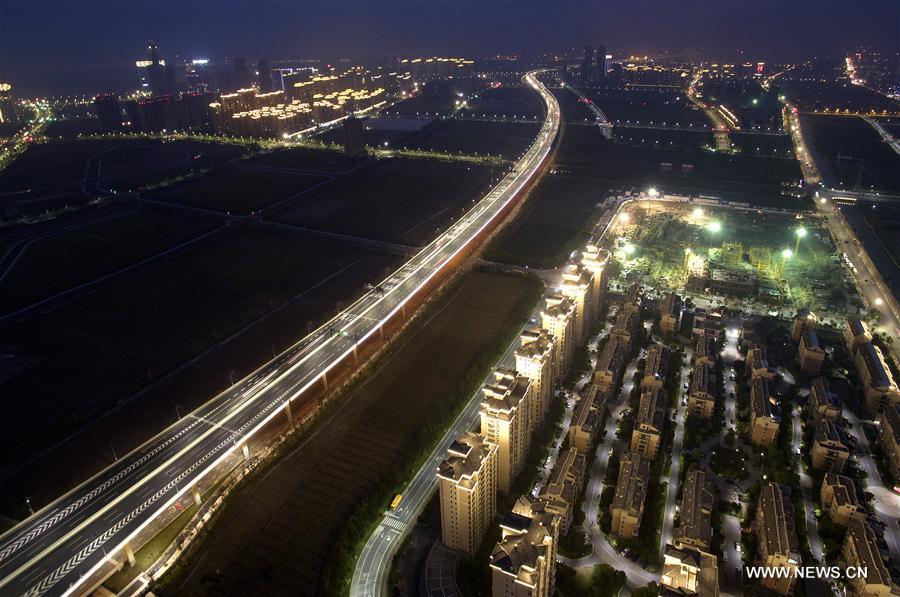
67,547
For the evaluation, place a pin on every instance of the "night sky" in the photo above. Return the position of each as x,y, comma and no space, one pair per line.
44,44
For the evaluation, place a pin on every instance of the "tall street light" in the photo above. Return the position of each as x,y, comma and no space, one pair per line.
800,232
713,227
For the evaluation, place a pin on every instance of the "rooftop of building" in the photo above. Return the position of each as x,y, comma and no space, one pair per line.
465,457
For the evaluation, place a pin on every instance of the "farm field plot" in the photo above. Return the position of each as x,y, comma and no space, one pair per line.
284,538
855,152
690,141
505,102
79,360
60,262
779,146
646,107
554,220
586,147
505,139
238,191
398,199
751,245
316,160
51,164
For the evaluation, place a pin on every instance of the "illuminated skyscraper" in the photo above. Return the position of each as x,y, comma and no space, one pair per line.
152,71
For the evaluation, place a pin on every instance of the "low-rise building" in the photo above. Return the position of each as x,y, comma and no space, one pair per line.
648,424
860,550
705,349
708,321
828,450
627,508
560,494
889,437
702,395
535,360
670,314
803,320
633,298
467,484
656,367
764,417
624,328
689,571
839,499
776,537
811,354
696,511
609,365
822,403
586,418
505,410
523,563
856,332
758,364
876,379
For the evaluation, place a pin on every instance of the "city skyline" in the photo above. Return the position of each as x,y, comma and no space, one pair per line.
110,40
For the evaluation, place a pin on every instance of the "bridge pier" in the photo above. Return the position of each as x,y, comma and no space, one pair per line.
246,450
381,331
129,554
355,353
196,494
288,412
325,380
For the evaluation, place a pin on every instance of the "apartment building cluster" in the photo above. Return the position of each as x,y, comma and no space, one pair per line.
878,384
776,536
627,508
688,567
703,390
514,404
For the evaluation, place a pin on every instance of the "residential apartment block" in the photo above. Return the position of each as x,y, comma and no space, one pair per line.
467,483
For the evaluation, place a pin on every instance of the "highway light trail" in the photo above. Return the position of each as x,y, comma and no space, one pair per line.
57,549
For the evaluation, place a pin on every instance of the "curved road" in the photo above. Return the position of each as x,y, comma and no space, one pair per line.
374,560
58,549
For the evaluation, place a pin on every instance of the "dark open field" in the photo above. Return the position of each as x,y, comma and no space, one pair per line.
283,539
80,360
50,164
316,160
506,139
764,145
553,222
648,106
380,133
586,147
49,175
571,107
854,151
505,102
836,95
60,262
238,191
738,96
63,129
398,199
689,141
